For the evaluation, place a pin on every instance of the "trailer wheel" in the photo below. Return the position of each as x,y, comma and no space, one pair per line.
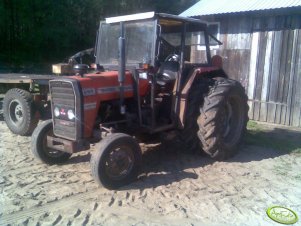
39,145
223,118
117,161
18,111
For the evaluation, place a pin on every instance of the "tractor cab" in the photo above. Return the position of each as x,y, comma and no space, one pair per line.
156,47
158,40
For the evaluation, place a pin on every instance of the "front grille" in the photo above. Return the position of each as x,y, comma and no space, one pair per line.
63,97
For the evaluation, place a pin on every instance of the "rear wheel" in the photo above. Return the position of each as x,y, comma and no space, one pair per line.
188,136
18,111
223,118
39,145
117,161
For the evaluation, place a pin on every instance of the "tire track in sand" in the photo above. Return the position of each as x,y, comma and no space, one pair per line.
54,205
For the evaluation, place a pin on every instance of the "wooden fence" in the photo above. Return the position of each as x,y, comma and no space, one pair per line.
264,54
274,87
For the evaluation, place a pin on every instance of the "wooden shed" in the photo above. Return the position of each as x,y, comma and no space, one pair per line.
262,49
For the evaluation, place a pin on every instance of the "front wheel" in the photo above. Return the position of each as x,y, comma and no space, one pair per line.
39,145
117,161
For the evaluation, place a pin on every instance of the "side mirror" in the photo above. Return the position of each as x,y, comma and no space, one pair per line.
80,69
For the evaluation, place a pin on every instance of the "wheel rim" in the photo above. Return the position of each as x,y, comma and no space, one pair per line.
119,163
16,115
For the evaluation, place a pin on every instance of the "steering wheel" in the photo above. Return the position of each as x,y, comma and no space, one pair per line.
172,57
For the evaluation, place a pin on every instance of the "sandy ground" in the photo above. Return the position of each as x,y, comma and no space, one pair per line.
174,188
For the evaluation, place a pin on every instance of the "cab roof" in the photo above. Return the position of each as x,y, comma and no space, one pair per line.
149,15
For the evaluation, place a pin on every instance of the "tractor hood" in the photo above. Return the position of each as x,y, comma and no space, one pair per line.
94,89
105,85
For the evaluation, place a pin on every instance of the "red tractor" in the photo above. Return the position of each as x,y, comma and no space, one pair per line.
154,74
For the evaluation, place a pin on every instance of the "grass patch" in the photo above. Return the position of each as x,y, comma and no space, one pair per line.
278,138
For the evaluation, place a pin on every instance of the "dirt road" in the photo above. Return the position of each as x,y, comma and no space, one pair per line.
174,188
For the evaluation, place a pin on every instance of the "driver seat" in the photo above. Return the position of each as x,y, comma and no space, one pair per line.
168,72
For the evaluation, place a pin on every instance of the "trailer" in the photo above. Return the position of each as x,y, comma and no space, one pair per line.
25,100
24,97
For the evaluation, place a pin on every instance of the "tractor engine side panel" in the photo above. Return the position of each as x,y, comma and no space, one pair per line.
97,88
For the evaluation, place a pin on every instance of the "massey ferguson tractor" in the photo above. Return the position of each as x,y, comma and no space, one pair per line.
154,74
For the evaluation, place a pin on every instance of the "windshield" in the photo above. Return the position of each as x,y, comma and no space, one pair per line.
139,47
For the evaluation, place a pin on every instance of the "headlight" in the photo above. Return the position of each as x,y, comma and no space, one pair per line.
56,112
70,114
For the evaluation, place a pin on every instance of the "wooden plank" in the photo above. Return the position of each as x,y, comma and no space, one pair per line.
237,63
277,119
256,114
244,67
266,76
233,66
271,112
296,100
283,81
232,41
226,65
300,118
287,78
227,62
275,66
246,41
260,64
293,58
258,77
283,114
274,76
252,70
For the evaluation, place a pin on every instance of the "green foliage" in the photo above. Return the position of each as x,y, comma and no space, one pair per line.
277,138
39,31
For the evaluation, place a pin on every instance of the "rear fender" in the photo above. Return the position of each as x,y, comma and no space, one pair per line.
195,73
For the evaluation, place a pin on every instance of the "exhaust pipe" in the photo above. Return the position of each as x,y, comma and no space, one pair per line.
121,69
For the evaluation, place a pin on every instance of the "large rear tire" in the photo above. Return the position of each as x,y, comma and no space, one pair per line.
39,145
116,162
223,118
19,111
188,135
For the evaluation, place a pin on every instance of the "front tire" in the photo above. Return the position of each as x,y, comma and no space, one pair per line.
39,145
117,161
19,112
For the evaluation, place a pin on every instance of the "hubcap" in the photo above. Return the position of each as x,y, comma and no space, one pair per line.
16,112
119,162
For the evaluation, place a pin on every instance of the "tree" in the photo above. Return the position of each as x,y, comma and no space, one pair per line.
36,32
